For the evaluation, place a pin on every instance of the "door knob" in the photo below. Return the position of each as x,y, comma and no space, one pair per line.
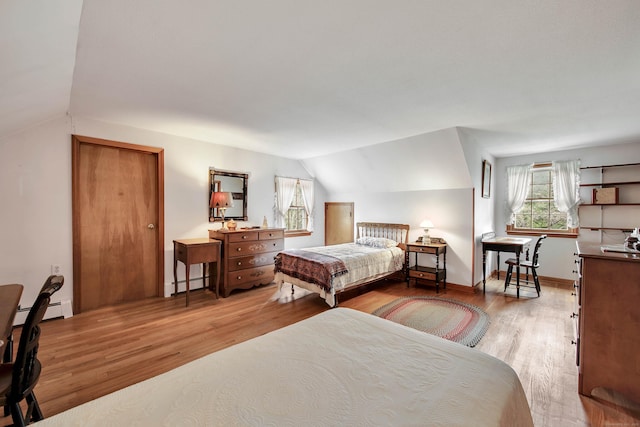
151,226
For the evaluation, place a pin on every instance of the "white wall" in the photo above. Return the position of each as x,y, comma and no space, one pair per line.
556,254
484,208
35,186
394,182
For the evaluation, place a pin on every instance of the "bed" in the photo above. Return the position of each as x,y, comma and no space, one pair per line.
378,251
340,367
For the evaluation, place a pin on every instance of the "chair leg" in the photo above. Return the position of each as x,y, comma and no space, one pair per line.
16,415
535,280
507,280
33,412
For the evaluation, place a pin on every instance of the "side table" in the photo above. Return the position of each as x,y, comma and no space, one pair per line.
196,251
418,271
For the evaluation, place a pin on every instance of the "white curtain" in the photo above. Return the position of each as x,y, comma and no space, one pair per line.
566,189
307,195
285,191
518,184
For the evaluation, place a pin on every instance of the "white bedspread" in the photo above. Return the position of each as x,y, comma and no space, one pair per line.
340,368
364,263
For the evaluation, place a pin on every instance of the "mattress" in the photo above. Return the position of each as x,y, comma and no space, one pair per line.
340,367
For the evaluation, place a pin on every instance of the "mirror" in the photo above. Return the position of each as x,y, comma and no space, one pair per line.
236,184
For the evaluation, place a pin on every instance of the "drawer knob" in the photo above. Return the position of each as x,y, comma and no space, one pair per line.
239,249
239,262
244,237
239,277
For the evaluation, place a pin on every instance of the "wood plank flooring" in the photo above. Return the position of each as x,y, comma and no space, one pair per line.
95,353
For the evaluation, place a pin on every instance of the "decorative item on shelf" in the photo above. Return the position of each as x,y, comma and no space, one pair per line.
632,240
426,224
232,225
605,196
265,224
221,200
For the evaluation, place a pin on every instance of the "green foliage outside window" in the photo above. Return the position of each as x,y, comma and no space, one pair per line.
296,219
539,211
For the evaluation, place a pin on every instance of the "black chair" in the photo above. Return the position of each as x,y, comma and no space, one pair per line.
528,264
18,379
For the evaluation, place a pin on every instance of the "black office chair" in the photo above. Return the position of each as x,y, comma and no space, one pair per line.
528,264
18,379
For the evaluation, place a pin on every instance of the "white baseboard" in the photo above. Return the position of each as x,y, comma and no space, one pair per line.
55,310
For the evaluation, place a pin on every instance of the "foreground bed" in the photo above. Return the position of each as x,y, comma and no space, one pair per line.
379,251
341,367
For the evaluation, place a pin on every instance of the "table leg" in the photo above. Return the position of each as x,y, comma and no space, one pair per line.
517,274
498,261
204,276
484,270
175,273
187,280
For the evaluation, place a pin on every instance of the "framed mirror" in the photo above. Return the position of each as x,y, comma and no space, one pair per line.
234,183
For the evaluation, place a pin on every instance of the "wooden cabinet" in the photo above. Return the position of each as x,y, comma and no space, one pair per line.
435,273
247,256
610,201
608,319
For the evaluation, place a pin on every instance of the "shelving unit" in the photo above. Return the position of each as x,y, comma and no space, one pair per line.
614,216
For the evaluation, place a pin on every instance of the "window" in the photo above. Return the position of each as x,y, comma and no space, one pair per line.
539,212
294,205
296,218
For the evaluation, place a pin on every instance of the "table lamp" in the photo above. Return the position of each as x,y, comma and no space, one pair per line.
426,224
221,200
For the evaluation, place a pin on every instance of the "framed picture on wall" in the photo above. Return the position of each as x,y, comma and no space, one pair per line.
486,179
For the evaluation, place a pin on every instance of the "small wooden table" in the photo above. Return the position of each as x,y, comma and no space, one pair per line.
196,251
503,244
436,273
9,300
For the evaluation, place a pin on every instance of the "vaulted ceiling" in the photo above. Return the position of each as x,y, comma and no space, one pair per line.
304,78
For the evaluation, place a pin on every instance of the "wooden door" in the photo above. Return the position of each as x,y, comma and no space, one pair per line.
338,223
117,222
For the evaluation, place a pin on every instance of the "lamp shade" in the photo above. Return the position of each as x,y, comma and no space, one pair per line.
426,223
221,199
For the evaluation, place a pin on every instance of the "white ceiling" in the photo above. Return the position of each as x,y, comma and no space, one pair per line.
303,78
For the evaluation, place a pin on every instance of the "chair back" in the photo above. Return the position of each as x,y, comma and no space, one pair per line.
26,367
534,259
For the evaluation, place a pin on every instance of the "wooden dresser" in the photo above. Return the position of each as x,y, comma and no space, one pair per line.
247,256
608,321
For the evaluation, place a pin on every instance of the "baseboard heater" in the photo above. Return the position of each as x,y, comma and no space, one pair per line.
61,309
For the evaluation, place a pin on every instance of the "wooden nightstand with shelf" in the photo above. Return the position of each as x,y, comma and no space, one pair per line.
421,272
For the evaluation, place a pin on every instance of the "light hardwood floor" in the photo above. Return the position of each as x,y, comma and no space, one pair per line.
94,353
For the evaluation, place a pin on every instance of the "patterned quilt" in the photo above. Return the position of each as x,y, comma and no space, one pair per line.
310,266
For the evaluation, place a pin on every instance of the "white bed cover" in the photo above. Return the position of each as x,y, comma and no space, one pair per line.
341,368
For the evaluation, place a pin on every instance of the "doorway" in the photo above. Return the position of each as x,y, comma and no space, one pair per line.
338,223
118,222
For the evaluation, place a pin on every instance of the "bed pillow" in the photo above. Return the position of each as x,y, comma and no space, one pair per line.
377,242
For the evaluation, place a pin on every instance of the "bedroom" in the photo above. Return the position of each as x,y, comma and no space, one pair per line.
402,178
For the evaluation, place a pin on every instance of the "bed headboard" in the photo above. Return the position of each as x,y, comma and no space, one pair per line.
397,232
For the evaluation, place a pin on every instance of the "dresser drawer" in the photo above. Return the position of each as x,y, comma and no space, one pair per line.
256,247
251,261
270,234
244,236
251,276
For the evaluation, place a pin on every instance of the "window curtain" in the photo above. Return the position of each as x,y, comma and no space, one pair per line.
285,191
309,201
518,184
566,189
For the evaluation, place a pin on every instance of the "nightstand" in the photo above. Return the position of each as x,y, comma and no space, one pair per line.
420,272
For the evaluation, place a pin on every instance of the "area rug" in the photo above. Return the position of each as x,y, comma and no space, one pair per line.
453,320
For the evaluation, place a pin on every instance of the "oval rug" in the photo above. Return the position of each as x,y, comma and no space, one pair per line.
453,320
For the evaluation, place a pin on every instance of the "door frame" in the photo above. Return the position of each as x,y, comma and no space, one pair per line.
158,153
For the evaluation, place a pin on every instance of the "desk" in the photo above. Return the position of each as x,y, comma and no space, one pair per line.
503,244
9,300
196,251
